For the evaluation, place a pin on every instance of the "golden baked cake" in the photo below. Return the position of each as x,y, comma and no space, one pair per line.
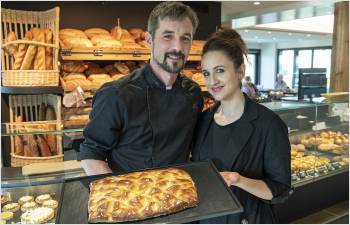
11,207
37,215
50,203
29,206
141,195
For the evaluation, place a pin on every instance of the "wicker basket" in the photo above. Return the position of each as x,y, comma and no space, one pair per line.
20,22
30,107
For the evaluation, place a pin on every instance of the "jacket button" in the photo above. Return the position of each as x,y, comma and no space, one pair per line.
244,221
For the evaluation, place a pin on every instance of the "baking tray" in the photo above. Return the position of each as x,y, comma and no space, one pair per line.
215,198
55,190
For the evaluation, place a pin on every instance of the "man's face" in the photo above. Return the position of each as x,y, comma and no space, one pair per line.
280,78
171,44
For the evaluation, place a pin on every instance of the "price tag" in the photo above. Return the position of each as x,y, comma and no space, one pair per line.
302,174
311,172
295,177
336,165
322,169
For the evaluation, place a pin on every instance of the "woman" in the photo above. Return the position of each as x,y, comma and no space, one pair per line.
247,142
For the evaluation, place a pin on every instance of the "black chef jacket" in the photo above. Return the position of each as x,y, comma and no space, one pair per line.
260,149
136,123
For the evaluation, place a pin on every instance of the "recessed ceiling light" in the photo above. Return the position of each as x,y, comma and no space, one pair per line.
256,3
269,32
246,31
256,37
309,35
289,34
274,38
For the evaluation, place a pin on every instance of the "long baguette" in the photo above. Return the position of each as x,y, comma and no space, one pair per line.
21,52
48,50
39,61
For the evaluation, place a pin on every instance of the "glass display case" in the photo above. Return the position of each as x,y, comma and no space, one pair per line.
318,133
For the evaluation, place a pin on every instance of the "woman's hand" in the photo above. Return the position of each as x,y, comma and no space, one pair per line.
231,178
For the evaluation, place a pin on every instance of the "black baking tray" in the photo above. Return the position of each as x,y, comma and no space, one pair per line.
55,190
215,197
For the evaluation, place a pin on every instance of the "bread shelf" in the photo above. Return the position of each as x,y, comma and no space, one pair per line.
113,54
31,90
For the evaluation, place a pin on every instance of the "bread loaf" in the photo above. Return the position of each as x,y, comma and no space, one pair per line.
44,147
70,32
98,76
51,138
19,147
74,76
74,66
91,32
21,52
122,68
76,42
108,44
137,33
48,50
11,49
117,32
99,37
30,55
95,70
39,61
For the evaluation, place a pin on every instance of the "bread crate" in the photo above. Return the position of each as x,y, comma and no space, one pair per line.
30,58
29,114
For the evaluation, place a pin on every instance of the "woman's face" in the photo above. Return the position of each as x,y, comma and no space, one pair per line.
221,77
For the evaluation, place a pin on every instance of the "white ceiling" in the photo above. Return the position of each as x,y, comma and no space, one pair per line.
255,34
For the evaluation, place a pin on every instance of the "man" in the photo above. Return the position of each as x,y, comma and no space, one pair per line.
280,85
147,118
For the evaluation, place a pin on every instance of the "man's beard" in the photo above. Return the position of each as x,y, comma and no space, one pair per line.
176,67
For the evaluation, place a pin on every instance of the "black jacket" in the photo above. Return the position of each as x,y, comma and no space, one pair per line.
262,151
136,123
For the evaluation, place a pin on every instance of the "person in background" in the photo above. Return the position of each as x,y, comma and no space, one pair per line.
280,85
147,118
249,88
247,142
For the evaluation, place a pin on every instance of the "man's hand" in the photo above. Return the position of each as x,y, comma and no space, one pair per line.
231,178
95,167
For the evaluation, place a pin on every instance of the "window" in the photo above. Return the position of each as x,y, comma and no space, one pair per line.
290,60
252,65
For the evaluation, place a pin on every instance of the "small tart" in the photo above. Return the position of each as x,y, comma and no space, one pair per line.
11,207
29,206
38,215
41,198
50,203
25,199
6,215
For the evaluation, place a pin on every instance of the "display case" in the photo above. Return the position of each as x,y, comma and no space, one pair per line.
318,133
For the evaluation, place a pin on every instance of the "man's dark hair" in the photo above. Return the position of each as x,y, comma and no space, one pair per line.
173,10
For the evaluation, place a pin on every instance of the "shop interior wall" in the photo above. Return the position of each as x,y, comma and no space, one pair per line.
86,14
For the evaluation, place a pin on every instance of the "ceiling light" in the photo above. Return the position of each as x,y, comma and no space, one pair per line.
269,32
274,38
246,31
309,35
256,3
289,34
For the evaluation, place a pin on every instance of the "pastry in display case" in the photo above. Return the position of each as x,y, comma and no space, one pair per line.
31,205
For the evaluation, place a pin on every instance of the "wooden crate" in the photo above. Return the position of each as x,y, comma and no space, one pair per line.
20,22
30,108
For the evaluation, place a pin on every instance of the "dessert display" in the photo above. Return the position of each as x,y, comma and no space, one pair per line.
33,209
141,195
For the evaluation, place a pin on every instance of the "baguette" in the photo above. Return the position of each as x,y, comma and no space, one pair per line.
29,57
51,138
48,50
19,147
21,52
11,49
39,61
44,147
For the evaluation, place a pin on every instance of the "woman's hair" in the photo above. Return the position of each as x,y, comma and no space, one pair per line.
230,42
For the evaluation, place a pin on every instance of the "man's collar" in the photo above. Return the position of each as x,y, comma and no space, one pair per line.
153,81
